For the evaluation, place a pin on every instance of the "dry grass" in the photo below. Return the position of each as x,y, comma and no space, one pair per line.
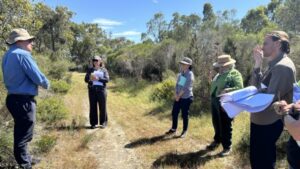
145,122
67,154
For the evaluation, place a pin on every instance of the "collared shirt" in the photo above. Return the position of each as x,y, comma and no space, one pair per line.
21,74
279,79
185,83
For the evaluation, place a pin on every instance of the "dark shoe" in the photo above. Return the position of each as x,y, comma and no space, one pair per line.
183,134
226,152
213,145
170,132
35,161
93,126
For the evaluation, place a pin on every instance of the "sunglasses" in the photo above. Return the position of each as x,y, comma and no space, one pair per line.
95,60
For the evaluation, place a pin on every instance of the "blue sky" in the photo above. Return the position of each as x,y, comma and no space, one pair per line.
129,17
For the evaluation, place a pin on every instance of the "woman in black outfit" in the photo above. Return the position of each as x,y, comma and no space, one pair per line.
97,77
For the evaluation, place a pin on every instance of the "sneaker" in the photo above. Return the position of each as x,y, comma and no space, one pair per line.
213,145
183,134
102,126
225,152
171,131
93,126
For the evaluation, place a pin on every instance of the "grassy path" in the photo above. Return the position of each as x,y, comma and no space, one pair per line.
135,137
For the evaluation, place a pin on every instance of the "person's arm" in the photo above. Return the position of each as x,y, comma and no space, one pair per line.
236,81
87,77
105,77
281,82
293,126
188,83
33,72
257,75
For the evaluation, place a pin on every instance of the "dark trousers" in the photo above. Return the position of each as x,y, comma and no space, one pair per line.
97,96
184,106
263,140
222,124
22,109
293,153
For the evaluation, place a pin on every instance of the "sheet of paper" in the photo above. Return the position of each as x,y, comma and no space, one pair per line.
257,100
239,94
253,104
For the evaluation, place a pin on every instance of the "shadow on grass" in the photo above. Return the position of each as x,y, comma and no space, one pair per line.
189,160
149,141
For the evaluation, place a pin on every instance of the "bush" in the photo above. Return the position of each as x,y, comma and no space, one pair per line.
6,147
45,144
164,91
52,110
60,86
58,70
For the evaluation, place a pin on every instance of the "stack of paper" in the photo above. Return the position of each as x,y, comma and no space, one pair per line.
247,99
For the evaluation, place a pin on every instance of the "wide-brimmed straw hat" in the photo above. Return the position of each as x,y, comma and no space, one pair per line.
186,61
224,60
18,34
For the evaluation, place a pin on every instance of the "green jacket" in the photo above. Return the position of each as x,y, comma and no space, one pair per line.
231,80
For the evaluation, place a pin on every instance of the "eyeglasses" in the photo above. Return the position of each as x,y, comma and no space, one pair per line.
95,60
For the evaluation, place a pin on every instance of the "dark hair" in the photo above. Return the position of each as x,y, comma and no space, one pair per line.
190,67
285,45
101,64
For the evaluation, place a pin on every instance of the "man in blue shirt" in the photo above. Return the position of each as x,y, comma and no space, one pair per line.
22,77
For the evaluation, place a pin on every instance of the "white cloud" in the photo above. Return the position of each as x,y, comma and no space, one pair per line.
107,23
155,1
127,33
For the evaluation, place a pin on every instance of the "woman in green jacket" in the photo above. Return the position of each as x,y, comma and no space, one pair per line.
228,79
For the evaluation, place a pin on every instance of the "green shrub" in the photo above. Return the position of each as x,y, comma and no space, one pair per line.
60,86
52,110
6,147
58,70
45,143
164,91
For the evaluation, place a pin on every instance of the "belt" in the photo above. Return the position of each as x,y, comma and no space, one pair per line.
21,96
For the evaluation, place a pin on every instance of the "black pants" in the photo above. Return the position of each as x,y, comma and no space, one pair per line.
293,153
222,124
263,140
22,109
97,96
184,106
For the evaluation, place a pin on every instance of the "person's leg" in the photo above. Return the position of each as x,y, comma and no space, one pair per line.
23,112
226,129
175,112
102,107
185,106
93,107
263,145
216,119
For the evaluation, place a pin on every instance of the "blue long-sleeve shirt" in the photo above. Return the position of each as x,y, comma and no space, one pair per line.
21,74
